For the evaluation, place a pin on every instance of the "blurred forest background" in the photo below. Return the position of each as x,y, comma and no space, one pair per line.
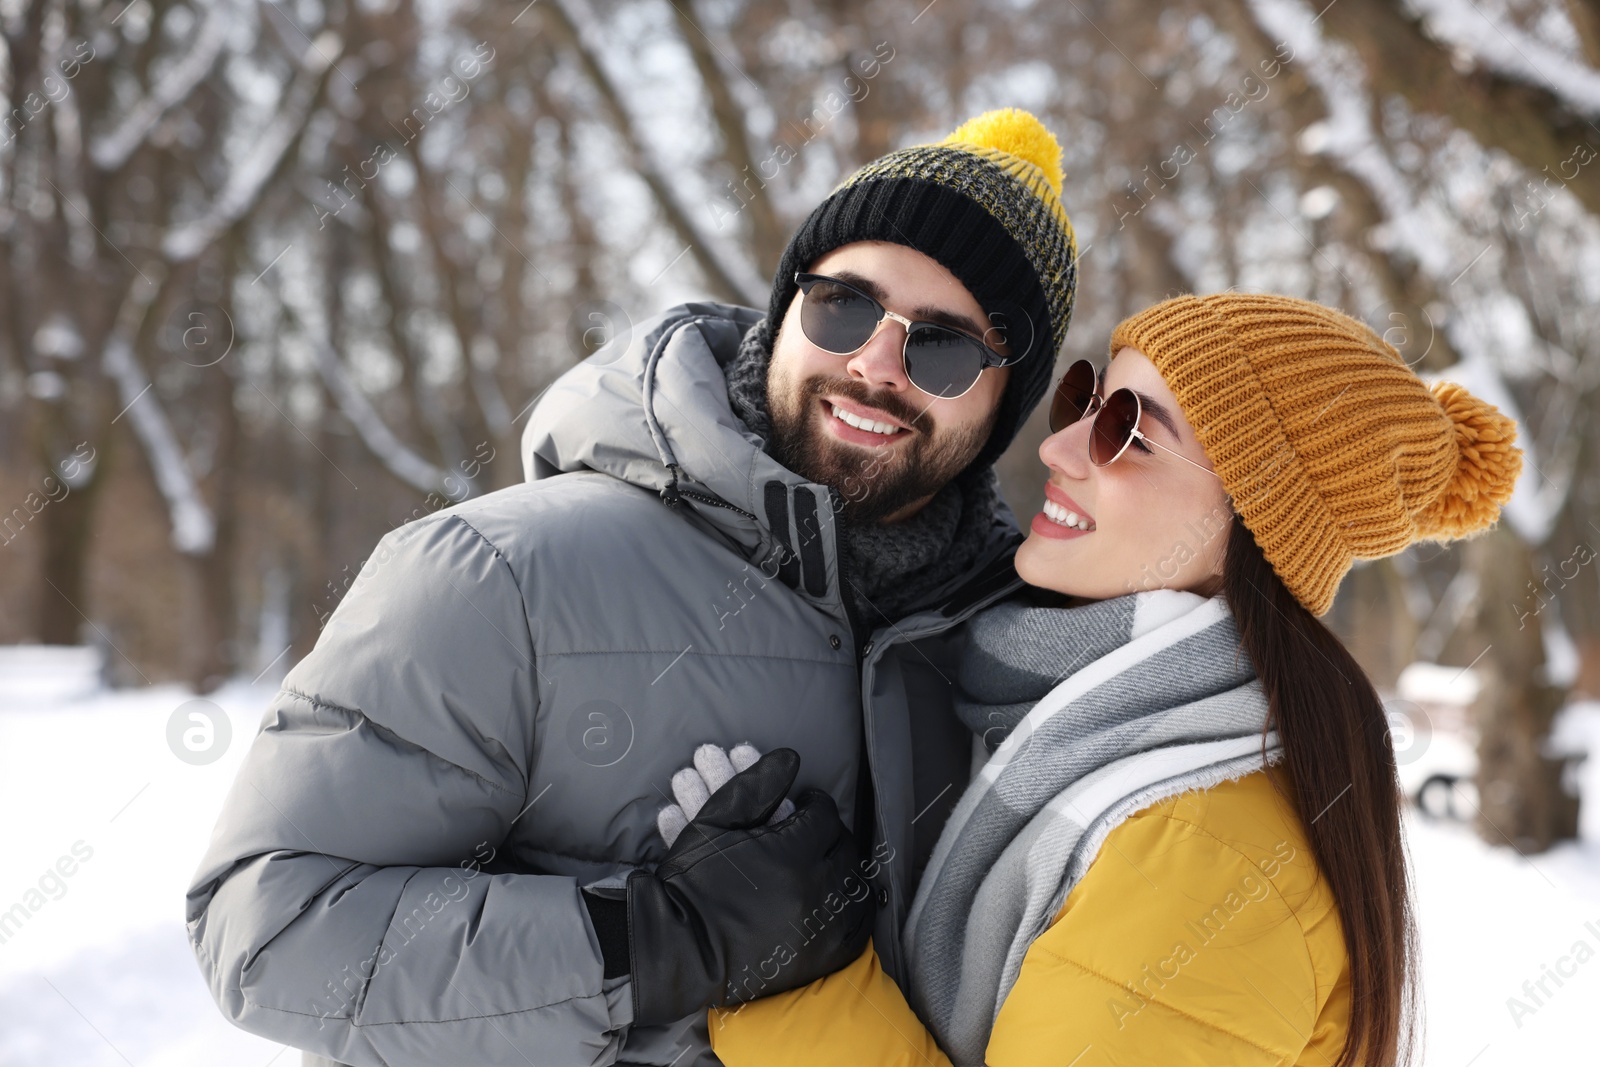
279,277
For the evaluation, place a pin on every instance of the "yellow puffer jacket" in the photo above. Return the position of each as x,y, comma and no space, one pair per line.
1202,934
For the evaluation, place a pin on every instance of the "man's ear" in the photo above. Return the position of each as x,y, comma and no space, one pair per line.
776,328
1014,329
1004,375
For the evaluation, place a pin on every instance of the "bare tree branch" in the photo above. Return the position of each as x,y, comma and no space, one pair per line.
767,236
1510,53
729,278
393,453
248,179
193,526
1529,123
445,434
113,148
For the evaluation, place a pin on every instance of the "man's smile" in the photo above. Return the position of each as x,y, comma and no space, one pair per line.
860,424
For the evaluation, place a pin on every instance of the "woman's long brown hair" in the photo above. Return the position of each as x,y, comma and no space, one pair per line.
1341,769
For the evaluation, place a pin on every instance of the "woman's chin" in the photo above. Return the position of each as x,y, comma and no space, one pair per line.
1058,566
1069,568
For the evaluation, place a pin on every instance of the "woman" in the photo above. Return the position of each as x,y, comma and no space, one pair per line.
1185,844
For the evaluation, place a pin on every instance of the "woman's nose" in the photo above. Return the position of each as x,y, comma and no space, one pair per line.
1067,450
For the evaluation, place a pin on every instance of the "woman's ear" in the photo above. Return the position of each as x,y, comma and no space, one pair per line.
1217,552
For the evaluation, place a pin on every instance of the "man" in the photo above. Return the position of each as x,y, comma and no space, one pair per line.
734,528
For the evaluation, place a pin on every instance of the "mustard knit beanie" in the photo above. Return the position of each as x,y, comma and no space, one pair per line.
984,202
1330,447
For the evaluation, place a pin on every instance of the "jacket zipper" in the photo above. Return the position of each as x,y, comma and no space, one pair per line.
866,668
704,499
859,631
671,495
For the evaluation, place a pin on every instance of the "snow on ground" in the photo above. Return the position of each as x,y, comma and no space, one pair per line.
1491,922
100,973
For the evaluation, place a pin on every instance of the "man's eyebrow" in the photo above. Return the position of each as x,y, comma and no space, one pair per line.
942,316
866,285
1161,414
954,319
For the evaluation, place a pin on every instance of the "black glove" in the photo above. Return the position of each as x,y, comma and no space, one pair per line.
739,909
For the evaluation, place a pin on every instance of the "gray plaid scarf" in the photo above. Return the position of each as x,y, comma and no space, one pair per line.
1090,714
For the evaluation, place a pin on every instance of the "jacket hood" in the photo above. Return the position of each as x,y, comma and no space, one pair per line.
651,398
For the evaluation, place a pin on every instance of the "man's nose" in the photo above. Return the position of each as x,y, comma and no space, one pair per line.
880,362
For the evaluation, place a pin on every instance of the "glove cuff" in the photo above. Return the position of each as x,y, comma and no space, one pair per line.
609,917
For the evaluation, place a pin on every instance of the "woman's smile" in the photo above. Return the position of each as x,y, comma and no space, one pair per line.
1062,516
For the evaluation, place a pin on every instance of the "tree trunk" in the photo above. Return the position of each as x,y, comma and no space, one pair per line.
1524,801
216,645
1373,620
64,527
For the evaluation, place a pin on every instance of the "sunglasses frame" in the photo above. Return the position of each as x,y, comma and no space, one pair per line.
1097,405
990,358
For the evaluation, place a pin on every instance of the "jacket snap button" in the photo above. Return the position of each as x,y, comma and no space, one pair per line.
833,639
883,898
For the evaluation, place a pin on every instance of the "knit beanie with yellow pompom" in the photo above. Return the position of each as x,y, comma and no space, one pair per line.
985,202
1331,449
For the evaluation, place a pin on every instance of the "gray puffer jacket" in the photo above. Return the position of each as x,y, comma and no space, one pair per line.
491,718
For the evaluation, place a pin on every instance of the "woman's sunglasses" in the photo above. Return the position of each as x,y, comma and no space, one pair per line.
840,319
1114,420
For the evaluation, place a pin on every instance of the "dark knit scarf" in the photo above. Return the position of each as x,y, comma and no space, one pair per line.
891,569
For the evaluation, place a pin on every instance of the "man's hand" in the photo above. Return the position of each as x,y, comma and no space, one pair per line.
740,908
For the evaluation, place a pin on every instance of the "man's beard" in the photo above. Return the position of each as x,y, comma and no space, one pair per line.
873,485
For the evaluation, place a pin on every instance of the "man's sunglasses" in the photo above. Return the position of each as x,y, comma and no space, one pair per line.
1113,420
840,319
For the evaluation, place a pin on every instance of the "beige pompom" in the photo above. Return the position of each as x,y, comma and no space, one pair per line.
1485,472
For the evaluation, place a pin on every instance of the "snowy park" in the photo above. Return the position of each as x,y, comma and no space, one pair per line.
959,446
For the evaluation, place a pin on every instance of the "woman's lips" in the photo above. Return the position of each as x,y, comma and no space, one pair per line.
1060,496
1045,526
1066,509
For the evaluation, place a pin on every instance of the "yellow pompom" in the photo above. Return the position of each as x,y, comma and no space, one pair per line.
1485,472
1015,131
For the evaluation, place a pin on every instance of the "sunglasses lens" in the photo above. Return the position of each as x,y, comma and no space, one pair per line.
942,362
1072,396
1113,426
835,319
